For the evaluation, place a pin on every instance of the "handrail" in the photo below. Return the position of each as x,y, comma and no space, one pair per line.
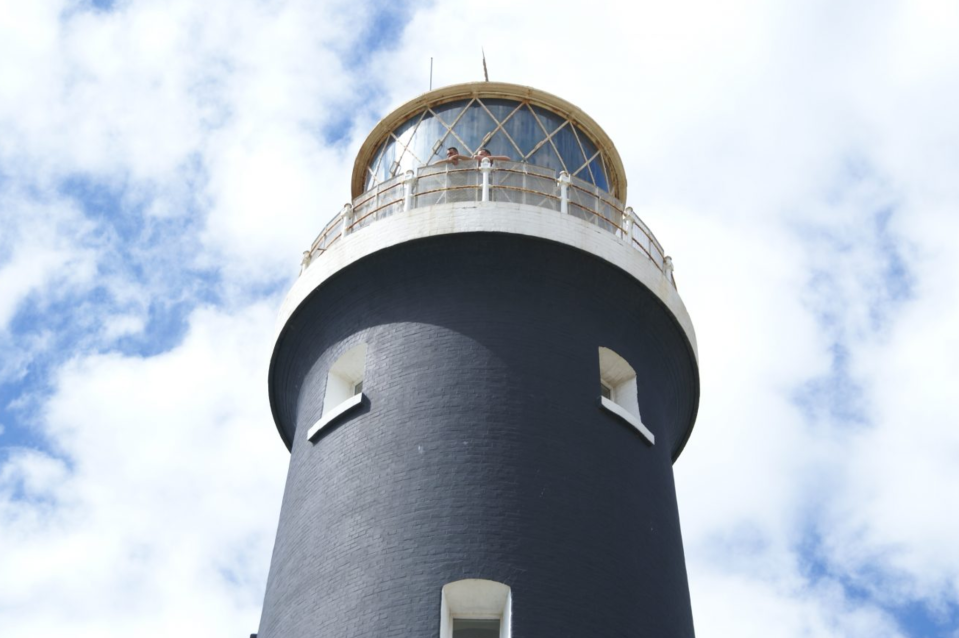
505,182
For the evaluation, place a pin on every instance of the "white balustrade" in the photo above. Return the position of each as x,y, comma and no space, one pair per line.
519,183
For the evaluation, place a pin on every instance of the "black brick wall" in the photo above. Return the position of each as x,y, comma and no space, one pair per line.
481,451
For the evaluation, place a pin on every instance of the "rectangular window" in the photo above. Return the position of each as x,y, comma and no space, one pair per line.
476,628
475,608
345,379
619,395
344,388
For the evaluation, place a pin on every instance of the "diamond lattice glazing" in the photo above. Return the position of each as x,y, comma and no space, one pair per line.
516,129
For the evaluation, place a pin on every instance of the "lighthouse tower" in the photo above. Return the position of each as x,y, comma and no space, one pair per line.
484,374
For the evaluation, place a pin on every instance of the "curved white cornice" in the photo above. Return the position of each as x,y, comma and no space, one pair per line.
488,217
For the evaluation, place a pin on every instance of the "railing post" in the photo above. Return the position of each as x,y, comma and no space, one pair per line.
346,219
486,166
307,259
629,226
408,181
563,182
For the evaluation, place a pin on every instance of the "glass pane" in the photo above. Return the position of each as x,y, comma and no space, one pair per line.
371,176
546,157
472,628
599,174
405,161
473,127
430,131
406,129
587,143
404,135
500,108
386,162
550,120
584,174
524,130
499,145
589,148
411,158
568,148
448,112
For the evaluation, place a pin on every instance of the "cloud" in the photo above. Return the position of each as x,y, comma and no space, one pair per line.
157,155
148,494
48,253
782,606
42,249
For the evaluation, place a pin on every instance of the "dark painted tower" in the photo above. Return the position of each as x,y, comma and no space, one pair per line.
484,374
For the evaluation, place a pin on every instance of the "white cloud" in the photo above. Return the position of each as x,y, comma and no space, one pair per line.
743,605
153,95
40,249
166,481
123,325
900,474
125,132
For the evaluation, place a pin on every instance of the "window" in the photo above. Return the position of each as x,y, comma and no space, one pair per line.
344,387
510,127
474,628
618,393
475,608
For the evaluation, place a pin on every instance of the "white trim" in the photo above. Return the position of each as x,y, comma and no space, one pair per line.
496,217
621,412
476,598
335,413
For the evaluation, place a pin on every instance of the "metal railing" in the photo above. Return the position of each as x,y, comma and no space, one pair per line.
511,182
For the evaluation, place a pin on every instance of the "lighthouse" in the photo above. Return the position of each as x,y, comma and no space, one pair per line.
484,374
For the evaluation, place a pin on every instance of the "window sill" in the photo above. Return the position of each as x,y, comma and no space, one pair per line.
631,419
351,403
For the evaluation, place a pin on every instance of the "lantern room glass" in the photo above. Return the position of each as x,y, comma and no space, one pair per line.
512,128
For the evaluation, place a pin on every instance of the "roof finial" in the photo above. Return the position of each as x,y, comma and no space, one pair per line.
485,73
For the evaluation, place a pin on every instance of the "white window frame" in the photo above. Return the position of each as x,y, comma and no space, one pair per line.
344,385
616,374
476,598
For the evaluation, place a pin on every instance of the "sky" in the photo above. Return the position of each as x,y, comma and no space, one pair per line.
163,164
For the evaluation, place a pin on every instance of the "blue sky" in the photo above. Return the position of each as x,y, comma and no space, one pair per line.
163,165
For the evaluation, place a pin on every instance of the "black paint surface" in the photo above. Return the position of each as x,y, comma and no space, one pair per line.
480,450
